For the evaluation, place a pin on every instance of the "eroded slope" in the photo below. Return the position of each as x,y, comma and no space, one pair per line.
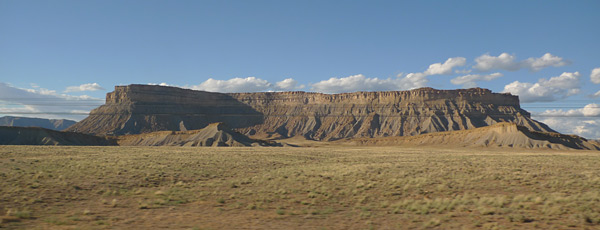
216,134
498,135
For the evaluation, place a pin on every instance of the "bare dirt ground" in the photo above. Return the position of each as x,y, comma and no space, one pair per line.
327,187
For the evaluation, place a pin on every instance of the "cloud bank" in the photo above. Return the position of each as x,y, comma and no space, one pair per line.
288,84
44,103
352,83
590,110
583,122
84,87
249,84
361,83
508,62
595,76
546,90
401,82
469,81
446,67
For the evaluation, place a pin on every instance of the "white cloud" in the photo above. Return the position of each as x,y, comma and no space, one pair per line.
547,60
249,84
585,127
361,83
595,76
333,85
446,67
504,61
597,94
7,109
552,89
591,110
469,81
584,122
409,81
508,62
165,84
84,87
44,103
238,85
287,85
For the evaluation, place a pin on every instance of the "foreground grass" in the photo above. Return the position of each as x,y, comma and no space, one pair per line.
296,188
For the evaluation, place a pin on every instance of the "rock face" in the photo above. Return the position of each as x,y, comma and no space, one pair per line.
379,114
54,124
499,135
41,136
216,134
138,109
144,108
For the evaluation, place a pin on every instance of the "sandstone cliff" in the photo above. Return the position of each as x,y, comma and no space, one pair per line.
499,135
138,109
145,108
379,114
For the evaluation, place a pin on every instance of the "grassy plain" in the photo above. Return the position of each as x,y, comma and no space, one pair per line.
297,188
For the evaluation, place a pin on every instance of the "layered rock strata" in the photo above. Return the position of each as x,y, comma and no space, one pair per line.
135,109
145,108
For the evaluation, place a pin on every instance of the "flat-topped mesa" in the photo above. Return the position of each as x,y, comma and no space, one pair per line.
152,94
135,109
144,108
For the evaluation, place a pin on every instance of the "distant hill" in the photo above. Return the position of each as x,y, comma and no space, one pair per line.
215,134
41,136
499,135
53,124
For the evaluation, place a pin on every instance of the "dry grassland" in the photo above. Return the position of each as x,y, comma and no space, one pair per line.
297,188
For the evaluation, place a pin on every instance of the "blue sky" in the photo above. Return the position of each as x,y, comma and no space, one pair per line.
543,51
